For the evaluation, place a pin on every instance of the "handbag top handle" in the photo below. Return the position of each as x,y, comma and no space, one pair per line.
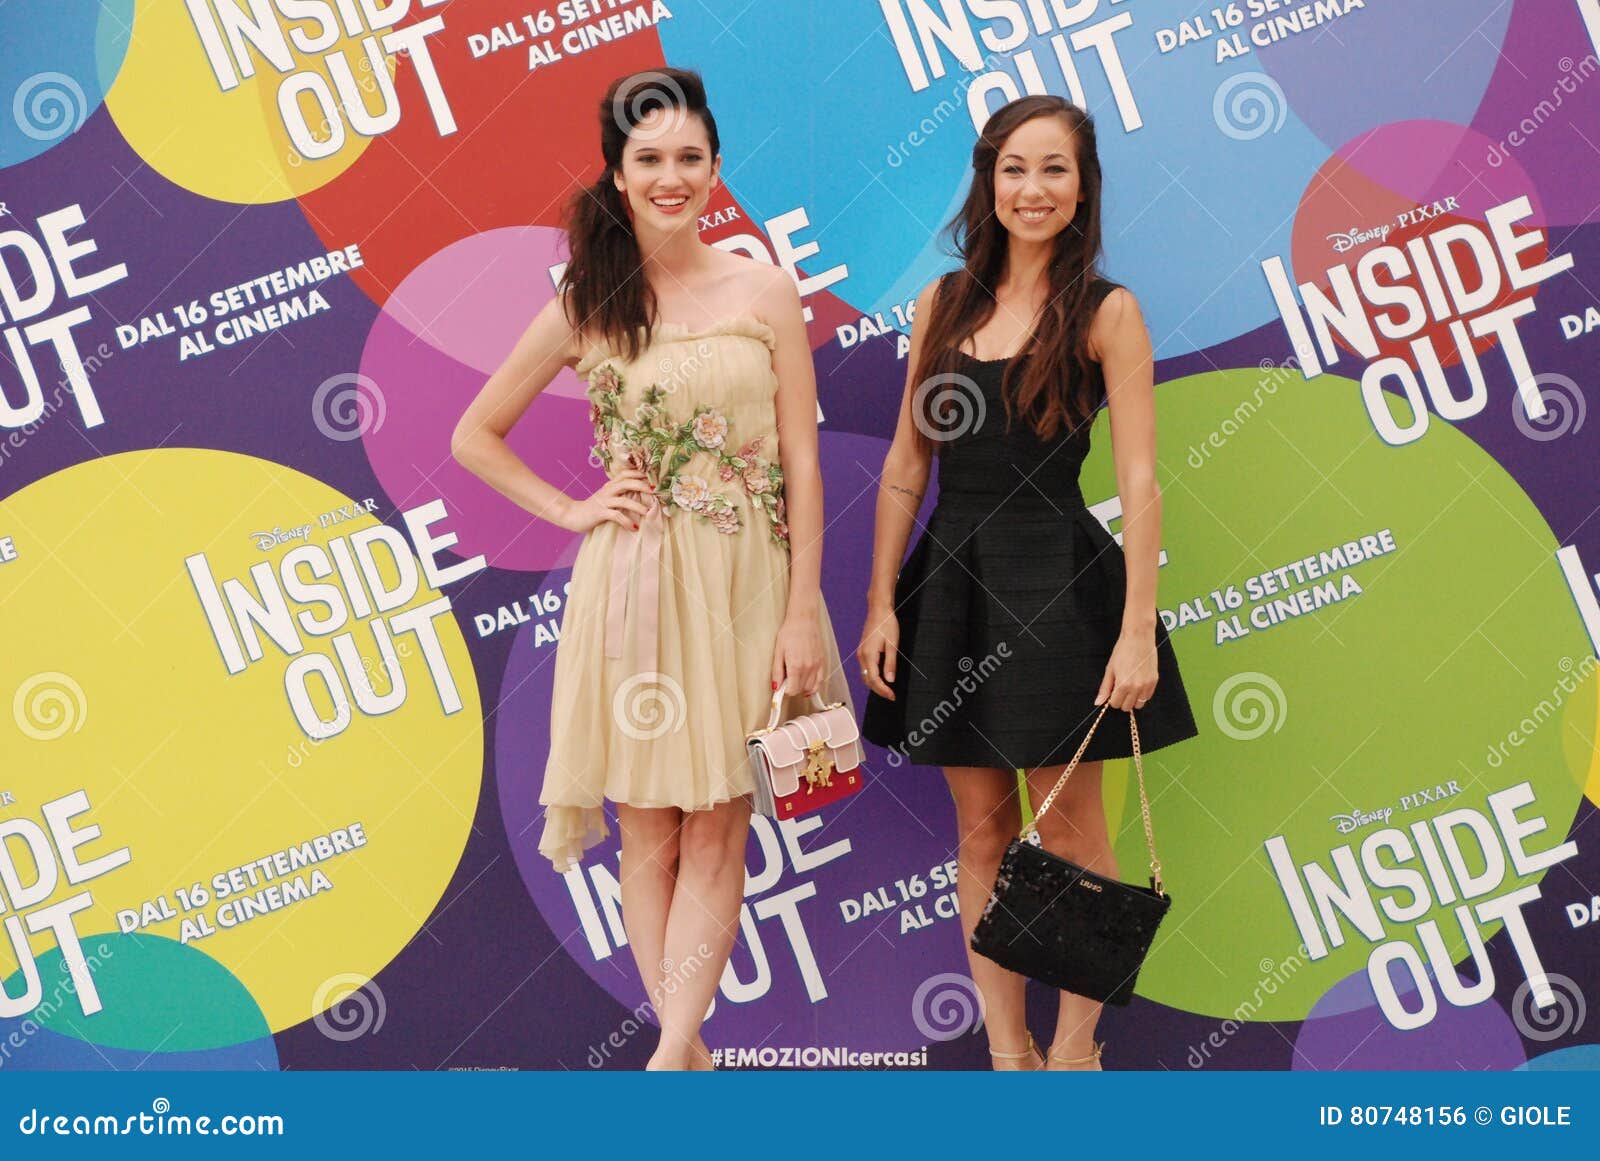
1144,799
777,706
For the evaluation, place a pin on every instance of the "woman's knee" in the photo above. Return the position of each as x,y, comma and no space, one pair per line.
651,835
1076,831
713,841
1061,834
988,815
1075,824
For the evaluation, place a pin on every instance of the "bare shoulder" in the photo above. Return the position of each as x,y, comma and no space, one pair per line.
771,292
1118,314
922,312
1117,305
555,324
928,293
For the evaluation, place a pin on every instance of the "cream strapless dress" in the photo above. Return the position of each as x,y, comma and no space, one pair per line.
665,656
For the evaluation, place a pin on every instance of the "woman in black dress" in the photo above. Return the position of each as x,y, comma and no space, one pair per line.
1017,615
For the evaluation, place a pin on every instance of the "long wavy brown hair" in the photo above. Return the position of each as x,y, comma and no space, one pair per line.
1054,387
606,292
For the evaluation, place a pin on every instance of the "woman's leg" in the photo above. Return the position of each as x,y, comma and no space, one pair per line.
702,924
988,817
649,875
1075,829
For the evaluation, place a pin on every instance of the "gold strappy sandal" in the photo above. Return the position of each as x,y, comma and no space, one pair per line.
1031,1051
1090,1063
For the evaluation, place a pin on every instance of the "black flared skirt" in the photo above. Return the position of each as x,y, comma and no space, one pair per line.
1007,621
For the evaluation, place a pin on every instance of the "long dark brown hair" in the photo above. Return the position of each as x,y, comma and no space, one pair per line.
604,285
1048,394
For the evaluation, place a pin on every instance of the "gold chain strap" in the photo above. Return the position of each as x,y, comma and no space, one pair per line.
1144,799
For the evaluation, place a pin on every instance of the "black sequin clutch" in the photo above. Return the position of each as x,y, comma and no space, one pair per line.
1065,926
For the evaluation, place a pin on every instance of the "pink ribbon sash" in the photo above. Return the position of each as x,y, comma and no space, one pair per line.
643,549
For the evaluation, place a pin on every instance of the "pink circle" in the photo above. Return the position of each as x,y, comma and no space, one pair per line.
439,337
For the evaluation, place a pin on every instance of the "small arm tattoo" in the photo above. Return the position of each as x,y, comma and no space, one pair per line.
915,495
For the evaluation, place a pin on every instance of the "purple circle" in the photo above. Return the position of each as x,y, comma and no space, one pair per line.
1416,162
1347,1031
1388,42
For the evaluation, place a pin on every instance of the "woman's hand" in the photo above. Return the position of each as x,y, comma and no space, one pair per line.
1130,676
880,645
613,501
797,654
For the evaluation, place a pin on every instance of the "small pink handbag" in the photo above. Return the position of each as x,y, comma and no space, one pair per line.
806,762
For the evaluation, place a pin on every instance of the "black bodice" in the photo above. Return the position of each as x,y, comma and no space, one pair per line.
987,464
995,465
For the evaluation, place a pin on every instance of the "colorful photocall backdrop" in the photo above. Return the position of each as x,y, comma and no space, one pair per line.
277,669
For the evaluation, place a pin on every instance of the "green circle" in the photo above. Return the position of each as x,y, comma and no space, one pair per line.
1454,638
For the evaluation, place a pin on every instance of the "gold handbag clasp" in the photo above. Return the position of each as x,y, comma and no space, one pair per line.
818,769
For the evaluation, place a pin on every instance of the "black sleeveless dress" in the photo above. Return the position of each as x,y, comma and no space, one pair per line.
1009,606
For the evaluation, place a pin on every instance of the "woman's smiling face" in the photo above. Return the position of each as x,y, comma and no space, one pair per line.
1036,179
668,172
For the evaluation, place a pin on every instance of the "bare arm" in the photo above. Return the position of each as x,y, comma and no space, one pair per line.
797,656
796,408
906,469
1118,333
479,440
1125,356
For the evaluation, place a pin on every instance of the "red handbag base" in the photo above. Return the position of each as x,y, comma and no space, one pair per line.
809,798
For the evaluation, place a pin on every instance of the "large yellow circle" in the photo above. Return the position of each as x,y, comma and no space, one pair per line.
116,687
232,144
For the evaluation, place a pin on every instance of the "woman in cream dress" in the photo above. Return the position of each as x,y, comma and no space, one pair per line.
696,591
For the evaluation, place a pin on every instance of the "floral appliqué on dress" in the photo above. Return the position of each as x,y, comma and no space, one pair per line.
651,442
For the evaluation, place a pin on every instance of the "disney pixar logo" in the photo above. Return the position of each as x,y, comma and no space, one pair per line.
1345,823
1355,236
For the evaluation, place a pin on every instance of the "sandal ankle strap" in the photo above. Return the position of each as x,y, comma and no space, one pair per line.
1092,1057
1031,1050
